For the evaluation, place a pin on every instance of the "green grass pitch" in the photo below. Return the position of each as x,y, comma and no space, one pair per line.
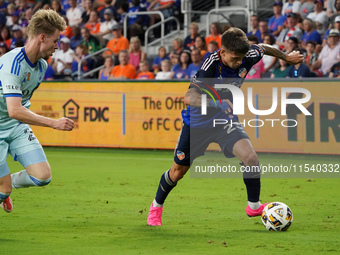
98,202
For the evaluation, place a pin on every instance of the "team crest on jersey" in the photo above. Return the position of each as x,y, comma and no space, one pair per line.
242,73
180,155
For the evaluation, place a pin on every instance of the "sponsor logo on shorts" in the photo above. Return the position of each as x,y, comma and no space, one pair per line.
180,155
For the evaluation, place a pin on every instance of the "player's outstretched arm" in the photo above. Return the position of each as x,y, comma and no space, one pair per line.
292,58
24,115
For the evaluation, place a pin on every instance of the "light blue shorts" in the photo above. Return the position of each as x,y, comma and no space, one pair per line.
20,142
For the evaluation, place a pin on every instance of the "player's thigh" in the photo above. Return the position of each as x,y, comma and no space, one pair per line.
26,149
191,144
245,152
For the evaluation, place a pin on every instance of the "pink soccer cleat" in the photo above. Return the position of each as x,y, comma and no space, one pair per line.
257,212
155,216
7,205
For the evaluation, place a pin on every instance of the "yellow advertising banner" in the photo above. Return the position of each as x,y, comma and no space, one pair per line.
148,115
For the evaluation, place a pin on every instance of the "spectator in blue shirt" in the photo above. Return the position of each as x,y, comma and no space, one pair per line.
196,63
310,33
254,23
180,70
276,22
300,70
156,65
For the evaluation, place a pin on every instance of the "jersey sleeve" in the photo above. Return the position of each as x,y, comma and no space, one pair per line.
11,80
255,54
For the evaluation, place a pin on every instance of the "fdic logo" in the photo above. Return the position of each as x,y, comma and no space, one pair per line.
71,110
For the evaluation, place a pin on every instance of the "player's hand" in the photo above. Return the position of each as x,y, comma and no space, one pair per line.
294,58
226,106
64,124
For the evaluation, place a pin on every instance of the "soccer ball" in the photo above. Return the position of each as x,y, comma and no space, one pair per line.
277,216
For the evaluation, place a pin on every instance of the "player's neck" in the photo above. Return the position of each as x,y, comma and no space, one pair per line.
32,51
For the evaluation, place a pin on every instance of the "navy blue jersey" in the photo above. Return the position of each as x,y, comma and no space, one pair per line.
213,71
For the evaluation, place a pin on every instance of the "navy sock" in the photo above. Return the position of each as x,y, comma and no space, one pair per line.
164,188
252,181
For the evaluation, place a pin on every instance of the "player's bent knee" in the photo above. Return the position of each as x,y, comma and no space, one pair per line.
41,182
251,159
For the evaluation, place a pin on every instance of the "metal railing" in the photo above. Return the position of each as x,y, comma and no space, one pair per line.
80,75
144,13
163,37
233,10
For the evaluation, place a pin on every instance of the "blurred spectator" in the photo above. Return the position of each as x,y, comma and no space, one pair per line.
27,17
144,73
291,6
189,41
86,65
90,41
73,14
122,11
200,45
300,70
17,36
136,22
310,33
319,16
136,54
3,48
336,12
108,4
22,7
291,30
166,70
56,5
254,23
177,47
76,39
39,4
93,24
196,63
5,36
276,22
212,47
335,71
214,34
68,31
3,6
336,26
105,30
281,71
49,74
118,43
108,66
258,69
268,61
15,20
292,44
329,54
156,65
62,58
11,8
88,7
165,6
124,70
180,70
331,9
306,8
310,55
264,30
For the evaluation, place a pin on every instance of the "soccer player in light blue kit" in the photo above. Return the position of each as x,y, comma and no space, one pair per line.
21,72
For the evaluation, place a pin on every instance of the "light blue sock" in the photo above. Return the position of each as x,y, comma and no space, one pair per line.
23,180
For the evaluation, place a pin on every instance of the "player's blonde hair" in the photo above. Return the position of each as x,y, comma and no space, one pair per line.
45,21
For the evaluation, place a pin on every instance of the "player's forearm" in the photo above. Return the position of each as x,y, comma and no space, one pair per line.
26,116
271,51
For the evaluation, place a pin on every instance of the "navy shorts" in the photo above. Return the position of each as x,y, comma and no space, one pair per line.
193,142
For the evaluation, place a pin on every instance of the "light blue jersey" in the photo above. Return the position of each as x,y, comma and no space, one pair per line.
18,78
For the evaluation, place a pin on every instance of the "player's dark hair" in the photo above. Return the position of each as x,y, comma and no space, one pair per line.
235,40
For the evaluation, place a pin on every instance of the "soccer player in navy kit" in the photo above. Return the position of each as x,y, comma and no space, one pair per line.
233,61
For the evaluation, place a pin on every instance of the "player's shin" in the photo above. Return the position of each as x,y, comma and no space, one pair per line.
164,188
4,196
251,178
23,180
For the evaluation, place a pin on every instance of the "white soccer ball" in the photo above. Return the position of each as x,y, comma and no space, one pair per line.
277,216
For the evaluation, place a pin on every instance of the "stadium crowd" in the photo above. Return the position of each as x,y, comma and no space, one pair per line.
309,26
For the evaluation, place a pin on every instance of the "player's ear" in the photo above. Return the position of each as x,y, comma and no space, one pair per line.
42,37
